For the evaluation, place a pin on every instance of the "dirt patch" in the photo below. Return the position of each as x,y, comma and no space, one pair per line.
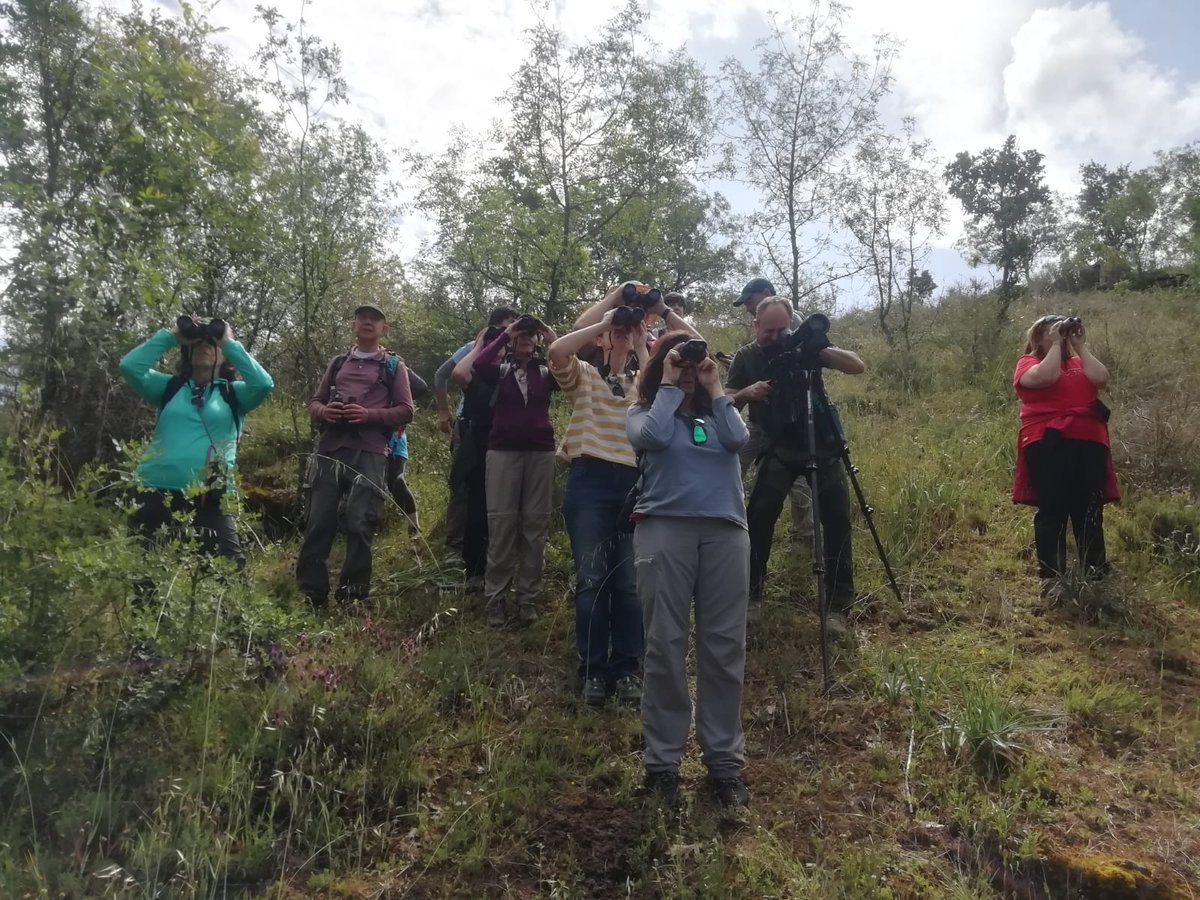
599,835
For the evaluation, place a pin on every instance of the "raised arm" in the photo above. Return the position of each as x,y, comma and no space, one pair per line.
1047,372
571,343
464,368
1095,370
846,361
731,430
137,366
487,364
256,384
594,313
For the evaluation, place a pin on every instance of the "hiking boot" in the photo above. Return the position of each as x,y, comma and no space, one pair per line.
497,613
475,584
731,792
629,691
595,692
526,615
662,786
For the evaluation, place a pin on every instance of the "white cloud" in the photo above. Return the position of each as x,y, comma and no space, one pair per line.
1080,87
1070,81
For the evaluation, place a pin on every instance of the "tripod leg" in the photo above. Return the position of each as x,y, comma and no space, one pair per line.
868,514
810,471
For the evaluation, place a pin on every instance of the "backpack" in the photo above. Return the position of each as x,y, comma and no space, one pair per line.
387,368
178,380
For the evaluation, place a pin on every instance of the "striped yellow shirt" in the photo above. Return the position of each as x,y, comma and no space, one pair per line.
597,426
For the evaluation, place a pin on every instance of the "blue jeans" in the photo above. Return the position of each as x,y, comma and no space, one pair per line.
607,607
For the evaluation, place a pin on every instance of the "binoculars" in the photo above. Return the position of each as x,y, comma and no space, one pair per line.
1071,325
693,351
199,330
529,324
644,297
627,316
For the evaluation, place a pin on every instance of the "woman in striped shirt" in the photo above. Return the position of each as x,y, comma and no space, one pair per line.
608,614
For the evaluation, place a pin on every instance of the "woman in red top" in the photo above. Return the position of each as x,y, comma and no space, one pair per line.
1064,466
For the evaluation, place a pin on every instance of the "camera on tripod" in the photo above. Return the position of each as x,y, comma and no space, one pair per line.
799,351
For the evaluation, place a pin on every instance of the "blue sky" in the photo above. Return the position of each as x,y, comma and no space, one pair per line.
1111,81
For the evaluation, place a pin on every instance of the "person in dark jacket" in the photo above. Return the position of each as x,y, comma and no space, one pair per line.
520,465
362,400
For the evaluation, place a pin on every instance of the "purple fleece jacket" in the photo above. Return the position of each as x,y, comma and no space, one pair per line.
363,381
517,423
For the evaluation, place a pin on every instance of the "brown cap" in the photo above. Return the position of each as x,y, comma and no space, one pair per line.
372,308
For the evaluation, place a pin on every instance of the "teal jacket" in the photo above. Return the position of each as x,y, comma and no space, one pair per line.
187,437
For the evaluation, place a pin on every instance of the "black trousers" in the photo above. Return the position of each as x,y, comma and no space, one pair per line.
468,481
776,473
215,530
1068,476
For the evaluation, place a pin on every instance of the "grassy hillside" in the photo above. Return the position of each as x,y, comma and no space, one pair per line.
222,740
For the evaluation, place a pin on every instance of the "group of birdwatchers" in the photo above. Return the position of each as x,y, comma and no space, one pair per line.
655,506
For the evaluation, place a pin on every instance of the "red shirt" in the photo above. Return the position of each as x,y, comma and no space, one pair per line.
1068,405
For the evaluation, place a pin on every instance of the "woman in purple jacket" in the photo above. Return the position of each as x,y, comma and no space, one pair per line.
520,465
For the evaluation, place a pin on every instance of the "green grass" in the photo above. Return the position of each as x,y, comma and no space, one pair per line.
975,736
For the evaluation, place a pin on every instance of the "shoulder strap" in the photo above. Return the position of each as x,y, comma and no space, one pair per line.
335,367
505,368
226,389
177,381
390,365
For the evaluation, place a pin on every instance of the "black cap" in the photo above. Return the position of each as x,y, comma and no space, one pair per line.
754,286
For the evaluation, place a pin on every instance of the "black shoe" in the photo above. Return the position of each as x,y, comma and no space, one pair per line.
595,692
661,786
731,792
629,691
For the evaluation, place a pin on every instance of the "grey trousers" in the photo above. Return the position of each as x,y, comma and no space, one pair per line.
802,521
681,562
520,486
359,476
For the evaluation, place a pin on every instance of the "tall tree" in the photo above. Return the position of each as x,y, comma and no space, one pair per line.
790,124
892,206
1009,211
593,132
128,155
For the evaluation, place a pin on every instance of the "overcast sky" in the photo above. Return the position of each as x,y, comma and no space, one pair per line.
1111,81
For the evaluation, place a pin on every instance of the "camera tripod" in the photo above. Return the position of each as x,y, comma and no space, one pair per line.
812,383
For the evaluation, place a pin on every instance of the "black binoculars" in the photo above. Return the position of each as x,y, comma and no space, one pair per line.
627,316
645,299
192,330
529,324
1071,325
693,351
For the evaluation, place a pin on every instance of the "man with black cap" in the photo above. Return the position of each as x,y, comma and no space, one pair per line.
755,291
363,398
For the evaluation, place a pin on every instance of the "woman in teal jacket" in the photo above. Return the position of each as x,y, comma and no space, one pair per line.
188,466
